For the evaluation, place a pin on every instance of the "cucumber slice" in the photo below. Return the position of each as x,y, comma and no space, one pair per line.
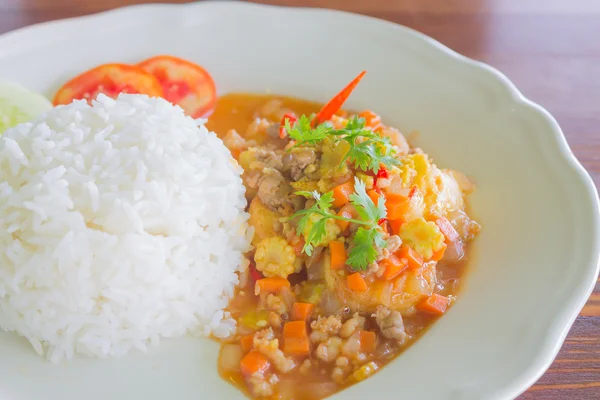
19,104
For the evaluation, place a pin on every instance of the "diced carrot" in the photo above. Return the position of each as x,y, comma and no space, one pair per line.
368,342
271,285
333,105
247,342
395,225
356,282
295,329
372,120
347,211
302,311
434,304
397,205
414,259
374,196
341,193
254,362
437,256
337,253
296,346
447,229
394,266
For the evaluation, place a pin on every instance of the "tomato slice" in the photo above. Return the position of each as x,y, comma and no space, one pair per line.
184,83
110,79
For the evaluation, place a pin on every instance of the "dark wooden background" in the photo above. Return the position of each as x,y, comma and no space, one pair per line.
549,48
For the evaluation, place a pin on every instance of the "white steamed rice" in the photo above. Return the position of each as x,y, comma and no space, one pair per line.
121,223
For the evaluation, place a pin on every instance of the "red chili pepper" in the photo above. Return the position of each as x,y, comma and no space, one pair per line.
382,173
412,192
381,221
254,274
291,117
337,101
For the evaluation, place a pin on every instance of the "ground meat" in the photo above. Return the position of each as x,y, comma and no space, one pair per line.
324,327
273,130
252,178
298,160
393,243
329,350
260,386
342,362
275,303
352,325
375,269
382,253
274,320
263,336
270,349
264,158
390,323
351,347
273,191
342,367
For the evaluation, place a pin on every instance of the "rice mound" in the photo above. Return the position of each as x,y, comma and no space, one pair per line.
121,223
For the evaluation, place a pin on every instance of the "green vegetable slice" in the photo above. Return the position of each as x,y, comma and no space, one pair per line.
19,104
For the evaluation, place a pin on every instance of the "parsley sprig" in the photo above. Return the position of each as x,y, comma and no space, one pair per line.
367,151
368,236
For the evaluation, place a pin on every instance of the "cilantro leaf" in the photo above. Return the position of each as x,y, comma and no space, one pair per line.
367,238
379,240
370,151
379,152
316,235
364,206
355,123
316,217
303,132
359,158
326,201
367,151
363,251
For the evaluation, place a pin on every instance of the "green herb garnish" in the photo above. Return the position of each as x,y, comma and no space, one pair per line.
367,237
367,151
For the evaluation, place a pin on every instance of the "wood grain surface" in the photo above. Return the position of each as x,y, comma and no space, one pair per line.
550,49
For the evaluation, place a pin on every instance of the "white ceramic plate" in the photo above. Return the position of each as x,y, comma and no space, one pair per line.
536,259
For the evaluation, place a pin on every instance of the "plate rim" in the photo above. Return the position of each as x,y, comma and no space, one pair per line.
554,339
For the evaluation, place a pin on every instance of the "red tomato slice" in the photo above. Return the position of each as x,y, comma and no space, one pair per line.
110,79
184,83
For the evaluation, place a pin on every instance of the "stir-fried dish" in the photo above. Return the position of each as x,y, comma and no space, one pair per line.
359,244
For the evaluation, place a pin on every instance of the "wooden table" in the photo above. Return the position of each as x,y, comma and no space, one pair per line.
551,52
